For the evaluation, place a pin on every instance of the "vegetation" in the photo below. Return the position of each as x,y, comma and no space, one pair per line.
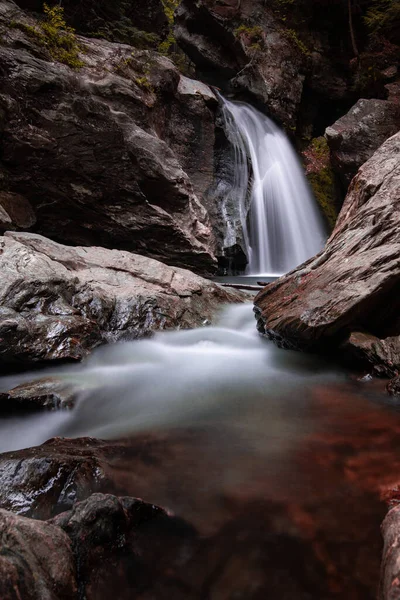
293,36
320,175
251,37
136,71
383,19
169,47
54,34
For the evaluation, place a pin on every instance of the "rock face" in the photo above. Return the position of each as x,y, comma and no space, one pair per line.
59,302
98,155
206,32
352,285
357,135
256,50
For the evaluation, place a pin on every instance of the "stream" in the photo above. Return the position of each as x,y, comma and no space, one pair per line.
237,428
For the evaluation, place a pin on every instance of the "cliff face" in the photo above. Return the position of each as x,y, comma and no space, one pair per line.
277,55
102,153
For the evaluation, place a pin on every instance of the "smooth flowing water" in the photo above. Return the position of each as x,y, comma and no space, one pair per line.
278,455
179,378
281,223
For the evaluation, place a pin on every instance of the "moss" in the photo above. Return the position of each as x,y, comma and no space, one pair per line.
124,33
293,36
383,19
54,34
251,37
138,72
144,83
321,178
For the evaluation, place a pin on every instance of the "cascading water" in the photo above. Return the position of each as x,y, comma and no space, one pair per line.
281,223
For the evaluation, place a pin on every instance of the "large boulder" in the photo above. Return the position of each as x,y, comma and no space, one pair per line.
352,285
98,154
358,134
59,302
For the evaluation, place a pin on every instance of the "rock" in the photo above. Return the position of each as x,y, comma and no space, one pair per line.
351,286
15,212
206,31
99,152
48,393
59,302
393,387
390,573
382,355
272,54
36,560
105,535
357,135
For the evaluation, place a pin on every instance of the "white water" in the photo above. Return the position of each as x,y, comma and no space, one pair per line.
284,227
225,374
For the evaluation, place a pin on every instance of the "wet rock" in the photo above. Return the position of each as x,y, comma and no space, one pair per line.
393,387
59,302
99,152
357,135
48,393
390,573
116,542
382,355
36,560
352,285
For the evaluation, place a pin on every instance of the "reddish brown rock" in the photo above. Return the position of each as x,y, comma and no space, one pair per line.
352,285
36,560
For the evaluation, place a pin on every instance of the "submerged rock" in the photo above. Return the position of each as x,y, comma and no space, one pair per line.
357,135
352,285
59,302
99,154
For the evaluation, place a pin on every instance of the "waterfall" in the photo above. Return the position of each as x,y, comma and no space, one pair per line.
281,224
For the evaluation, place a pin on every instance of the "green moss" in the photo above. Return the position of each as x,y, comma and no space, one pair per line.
251,37
293,36
54,34
321,178
383,19
144,83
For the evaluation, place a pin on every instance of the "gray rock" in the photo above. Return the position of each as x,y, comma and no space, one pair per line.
58,302
103,154
354,137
